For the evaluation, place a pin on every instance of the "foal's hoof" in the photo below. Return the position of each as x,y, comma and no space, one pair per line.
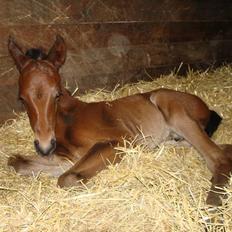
69,180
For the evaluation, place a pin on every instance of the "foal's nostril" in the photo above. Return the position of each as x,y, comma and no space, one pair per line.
36,142
45,149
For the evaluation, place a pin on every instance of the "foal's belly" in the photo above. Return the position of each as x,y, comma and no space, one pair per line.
145,123
154,130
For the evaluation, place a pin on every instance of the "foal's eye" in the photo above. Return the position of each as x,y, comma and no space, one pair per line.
58,96
22,101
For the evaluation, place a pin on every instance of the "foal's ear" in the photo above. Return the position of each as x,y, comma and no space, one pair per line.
57,53
17,54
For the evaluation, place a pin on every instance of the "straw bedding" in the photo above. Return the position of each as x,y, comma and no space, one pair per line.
150,190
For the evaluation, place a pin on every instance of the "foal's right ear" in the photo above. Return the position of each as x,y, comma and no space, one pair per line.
17,54
57,53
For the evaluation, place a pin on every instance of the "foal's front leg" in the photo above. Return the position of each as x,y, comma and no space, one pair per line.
97,158
33,165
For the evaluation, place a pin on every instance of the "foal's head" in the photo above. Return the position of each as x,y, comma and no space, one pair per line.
40,90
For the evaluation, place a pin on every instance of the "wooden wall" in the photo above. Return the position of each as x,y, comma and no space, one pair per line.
112,41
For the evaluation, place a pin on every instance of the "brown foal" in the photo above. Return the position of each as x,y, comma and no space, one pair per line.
76,139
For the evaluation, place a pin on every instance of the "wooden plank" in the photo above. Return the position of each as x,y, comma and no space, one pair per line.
84,36
98,65
101,61
70,11
161,11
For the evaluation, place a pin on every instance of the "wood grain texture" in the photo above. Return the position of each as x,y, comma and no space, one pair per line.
90,11
112,42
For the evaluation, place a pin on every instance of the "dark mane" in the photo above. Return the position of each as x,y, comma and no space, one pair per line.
36,54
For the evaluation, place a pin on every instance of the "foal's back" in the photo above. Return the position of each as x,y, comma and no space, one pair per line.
140,115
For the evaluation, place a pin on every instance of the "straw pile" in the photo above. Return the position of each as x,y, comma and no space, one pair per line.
150,190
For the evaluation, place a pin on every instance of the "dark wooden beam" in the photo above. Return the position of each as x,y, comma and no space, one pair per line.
91,11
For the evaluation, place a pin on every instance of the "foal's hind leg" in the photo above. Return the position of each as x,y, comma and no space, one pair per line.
182,123
219,179
98,158
33,165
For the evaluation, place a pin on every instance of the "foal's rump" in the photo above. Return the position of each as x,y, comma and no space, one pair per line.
174,104
169,102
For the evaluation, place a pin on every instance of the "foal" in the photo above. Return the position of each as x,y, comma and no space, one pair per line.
75,139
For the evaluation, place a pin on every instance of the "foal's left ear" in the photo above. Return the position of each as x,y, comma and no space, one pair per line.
57,53
17,54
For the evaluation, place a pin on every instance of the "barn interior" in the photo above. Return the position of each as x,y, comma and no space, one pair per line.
116,49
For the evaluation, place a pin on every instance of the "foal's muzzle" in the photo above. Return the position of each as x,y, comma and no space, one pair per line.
45,150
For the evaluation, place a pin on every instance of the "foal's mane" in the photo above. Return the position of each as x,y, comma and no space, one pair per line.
36,53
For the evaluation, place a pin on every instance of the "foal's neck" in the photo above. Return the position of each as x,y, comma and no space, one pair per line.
68,102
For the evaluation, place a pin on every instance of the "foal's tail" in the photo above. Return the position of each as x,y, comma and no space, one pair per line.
214,121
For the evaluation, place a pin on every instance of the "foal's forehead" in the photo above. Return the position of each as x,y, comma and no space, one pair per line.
39,67
38,75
